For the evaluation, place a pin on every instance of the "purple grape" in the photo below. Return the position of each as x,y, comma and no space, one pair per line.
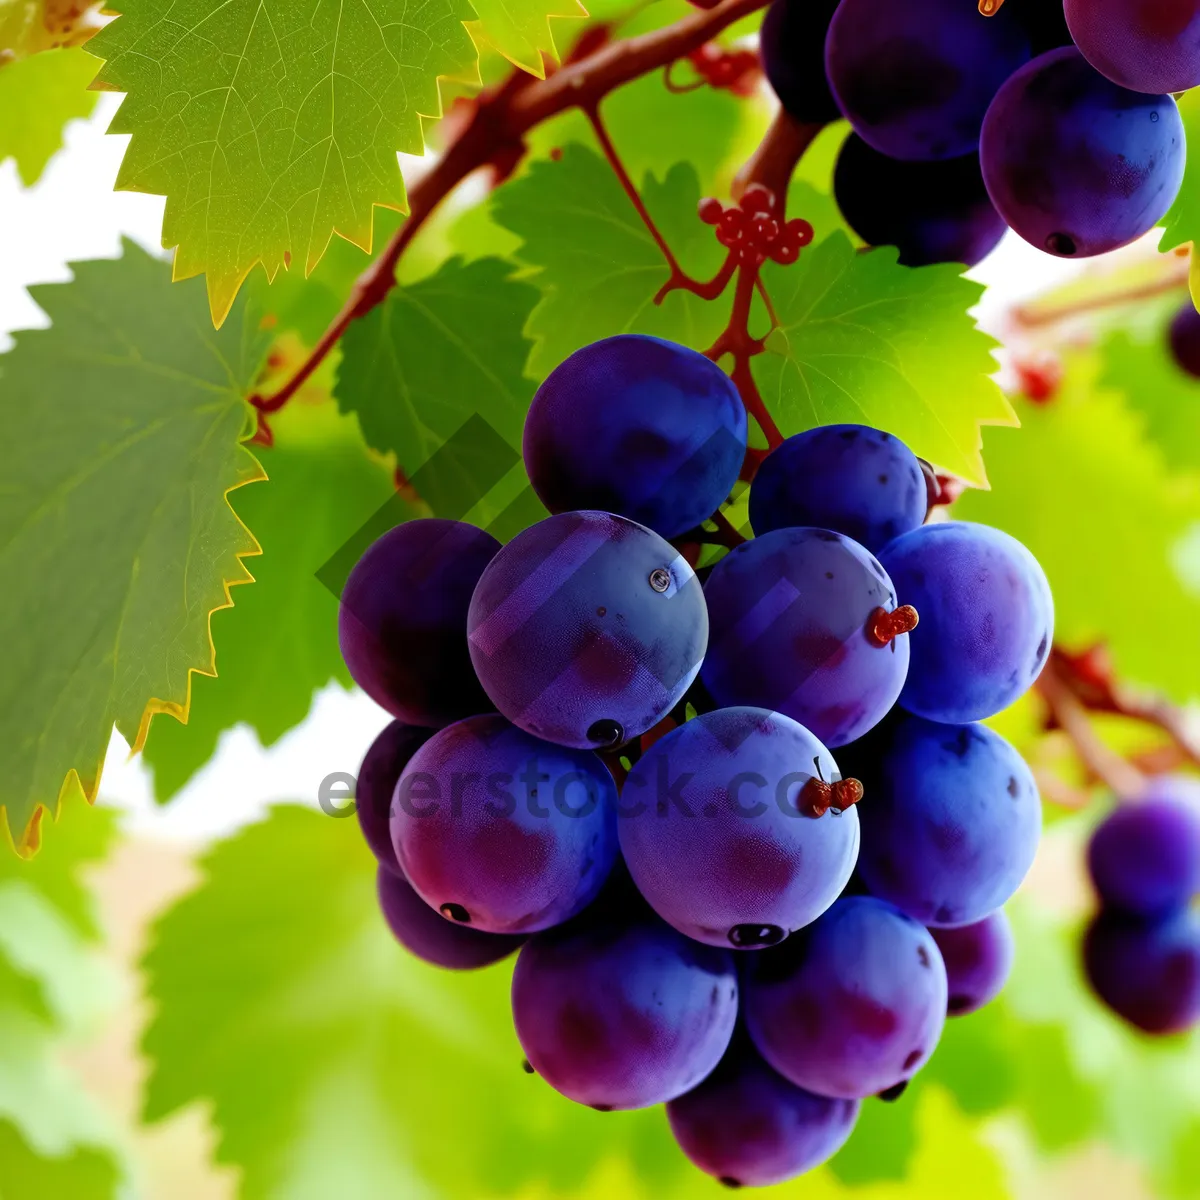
792,44
402,623
987,619
853,1005
587,628
1145,857
792,613
376,784
504,832
748,1127
1076,164
978,960
1144,45
914,79
637,426
717,829
953,820
932,212
431,937
858,481
1184,339
1147,972
623,1014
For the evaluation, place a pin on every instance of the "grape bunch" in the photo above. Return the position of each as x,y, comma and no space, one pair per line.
630,777
1058,124
1142,951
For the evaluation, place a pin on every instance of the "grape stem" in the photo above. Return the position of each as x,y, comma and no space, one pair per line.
495,134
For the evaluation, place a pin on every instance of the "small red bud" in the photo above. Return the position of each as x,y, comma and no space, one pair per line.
710,210
801,230
758,198
764,230
883,626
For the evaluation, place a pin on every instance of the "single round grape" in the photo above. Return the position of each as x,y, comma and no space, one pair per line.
1184,338
932,212
987,619
623,1014
792,45
953,821
402,623
978,960
854,480
1144,45
717,832
748,1127
1076,164
431,937
914,79
501,831
586,629
376,784
853,1005
790,617
1147,972
637,426
1145,856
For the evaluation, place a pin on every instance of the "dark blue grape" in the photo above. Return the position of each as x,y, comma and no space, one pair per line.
587,628
402,624
748,1127
914,79
431,937
1184,338
637,426
1076,164
953,820
792,45
1147,972
1144,45
1145,857
932,212
851,1006
858,481
623,1014
791,613
381,766
987,619
499,830
978,960
717,834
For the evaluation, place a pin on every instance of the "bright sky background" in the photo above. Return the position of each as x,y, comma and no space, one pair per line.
73,213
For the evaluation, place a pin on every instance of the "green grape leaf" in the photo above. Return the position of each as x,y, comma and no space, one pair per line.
1167,398
862,339
520,29
598,267
85,1173
1116,532
45,92
434,356
280,643
269,127
120,432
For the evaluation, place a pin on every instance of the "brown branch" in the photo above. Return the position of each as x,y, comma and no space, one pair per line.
498,125
774,162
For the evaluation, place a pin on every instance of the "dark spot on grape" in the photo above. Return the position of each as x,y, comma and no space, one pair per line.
527,1067
730,1182
923,956
747,937
894,1092
1154,117
958,1004
878,569
828,574
848,435
711,810
660,579
883,479
913,1058
602,1107
456,912
1062,244
944,915
1014,788
602,611
826,535
1041,650
606,732
961,746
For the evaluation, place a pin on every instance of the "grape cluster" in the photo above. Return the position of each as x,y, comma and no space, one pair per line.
755,230
712,911
1058,125
1142,951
